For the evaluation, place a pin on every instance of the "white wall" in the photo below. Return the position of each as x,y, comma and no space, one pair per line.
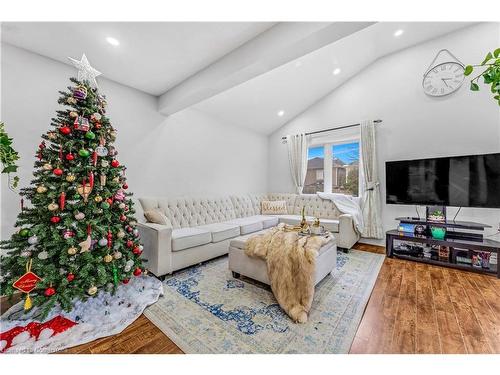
187,153
414,125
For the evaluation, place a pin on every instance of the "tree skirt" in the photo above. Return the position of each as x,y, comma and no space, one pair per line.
101,316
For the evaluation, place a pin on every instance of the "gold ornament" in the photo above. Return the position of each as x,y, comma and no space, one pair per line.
84,191
116,179
132,223
73,114
98,198
122,205
41,189
104,163
102,179
112,135
92,290
72,250
108,258
117,255
47,167
52,135
53,206
71,100
85,245
70,177
120,234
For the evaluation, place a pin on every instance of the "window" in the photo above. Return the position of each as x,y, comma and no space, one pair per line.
333,168
315,170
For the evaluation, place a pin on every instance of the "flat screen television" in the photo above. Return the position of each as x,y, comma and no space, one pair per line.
460,181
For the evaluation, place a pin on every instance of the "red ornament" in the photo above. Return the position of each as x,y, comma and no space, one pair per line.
62,200
137,272
70,277
91,179
137,251
70,156
55,219
27,282
123,218
57,171
110,201
130,243
97,125
49,292
94,158
115,163
125,281
129,229
65,130
109,237
125,186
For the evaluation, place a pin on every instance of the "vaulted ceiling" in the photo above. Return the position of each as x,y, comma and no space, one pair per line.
256,75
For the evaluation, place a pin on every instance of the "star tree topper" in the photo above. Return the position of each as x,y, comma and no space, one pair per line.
85,71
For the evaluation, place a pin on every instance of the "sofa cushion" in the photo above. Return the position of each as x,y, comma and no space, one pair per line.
157,217
221,231
247,224
184,238
268,221
273,208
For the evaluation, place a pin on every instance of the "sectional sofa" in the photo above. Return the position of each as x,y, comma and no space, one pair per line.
200,228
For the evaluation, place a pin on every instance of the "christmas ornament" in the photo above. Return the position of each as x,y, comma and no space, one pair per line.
49,292
120,195
81,123
79,216
125,186
133,223
121,205
98,198
91,180
104,164
126,208
115,163
55,219
101,151
80,92
110,239
47,167
95,117
71,100
26,254
51,135
137,251
112,135
105,205
73,114
84,190
123,218
26,283
130,243
72,250
43,255
57,171
90,135
103,242
84,153
70,177
120,234
62,200
102,180
24,232
97,125
33,240
85,71
115,275
70,277
92,290
68,233
137,272
94,159
53,206
65,130
85,245
112,151
108,258
136,233
70,156
125,281
117,255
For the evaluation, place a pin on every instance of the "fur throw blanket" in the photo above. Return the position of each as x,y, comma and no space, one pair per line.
291,261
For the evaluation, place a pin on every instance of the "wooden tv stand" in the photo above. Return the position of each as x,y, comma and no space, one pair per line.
454,244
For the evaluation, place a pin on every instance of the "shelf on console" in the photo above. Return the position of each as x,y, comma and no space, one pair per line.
448,223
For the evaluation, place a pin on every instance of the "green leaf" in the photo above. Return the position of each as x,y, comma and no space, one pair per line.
474,86
9,169
496,53
468,70
488,57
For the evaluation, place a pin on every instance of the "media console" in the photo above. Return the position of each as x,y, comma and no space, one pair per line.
459,249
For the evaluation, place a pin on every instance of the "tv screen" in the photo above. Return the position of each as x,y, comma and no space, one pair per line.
460,181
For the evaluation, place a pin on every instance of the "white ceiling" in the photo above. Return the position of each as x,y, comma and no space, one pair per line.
295,86
152,57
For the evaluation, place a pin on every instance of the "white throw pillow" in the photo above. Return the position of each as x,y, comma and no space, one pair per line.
273,207
157,217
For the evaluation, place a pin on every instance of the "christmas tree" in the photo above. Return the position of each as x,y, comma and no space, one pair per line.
78,235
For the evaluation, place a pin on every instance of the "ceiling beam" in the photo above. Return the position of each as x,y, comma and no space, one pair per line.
276,46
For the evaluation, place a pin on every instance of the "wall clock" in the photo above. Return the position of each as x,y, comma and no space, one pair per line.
443,78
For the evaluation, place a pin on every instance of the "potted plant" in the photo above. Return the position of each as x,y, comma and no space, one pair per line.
490,74
8,157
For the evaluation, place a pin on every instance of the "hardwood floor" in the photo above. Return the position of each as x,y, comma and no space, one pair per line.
414,308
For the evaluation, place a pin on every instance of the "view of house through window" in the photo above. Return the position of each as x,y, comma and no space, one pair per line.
333,168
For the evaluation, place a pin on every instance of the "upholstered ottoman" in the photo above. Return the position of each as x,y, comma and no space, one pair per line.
256,268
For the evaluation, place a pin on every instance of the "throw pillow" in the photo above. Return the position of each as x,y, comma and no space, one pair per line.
157,217
273,207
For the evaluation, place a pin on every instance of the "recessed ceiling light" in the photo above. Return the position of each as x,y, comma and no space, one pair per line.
112,41
281,113
399,32
336,71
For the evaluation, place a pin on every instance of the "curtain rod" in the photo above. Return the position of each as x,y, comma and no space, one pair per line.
337,128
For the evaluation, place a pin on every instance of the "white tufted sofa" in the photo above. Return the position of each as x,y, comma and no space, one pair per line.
200,228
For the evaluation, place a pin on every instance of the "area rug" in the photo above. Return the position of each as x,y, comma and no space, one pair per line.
105,315
205,310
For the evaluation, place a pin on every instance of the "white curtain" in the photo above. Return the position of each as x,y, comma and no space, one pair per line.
371,191
297,157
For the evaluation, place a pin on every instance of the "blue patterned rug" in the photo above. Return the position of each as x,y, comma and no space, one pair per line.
205,310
